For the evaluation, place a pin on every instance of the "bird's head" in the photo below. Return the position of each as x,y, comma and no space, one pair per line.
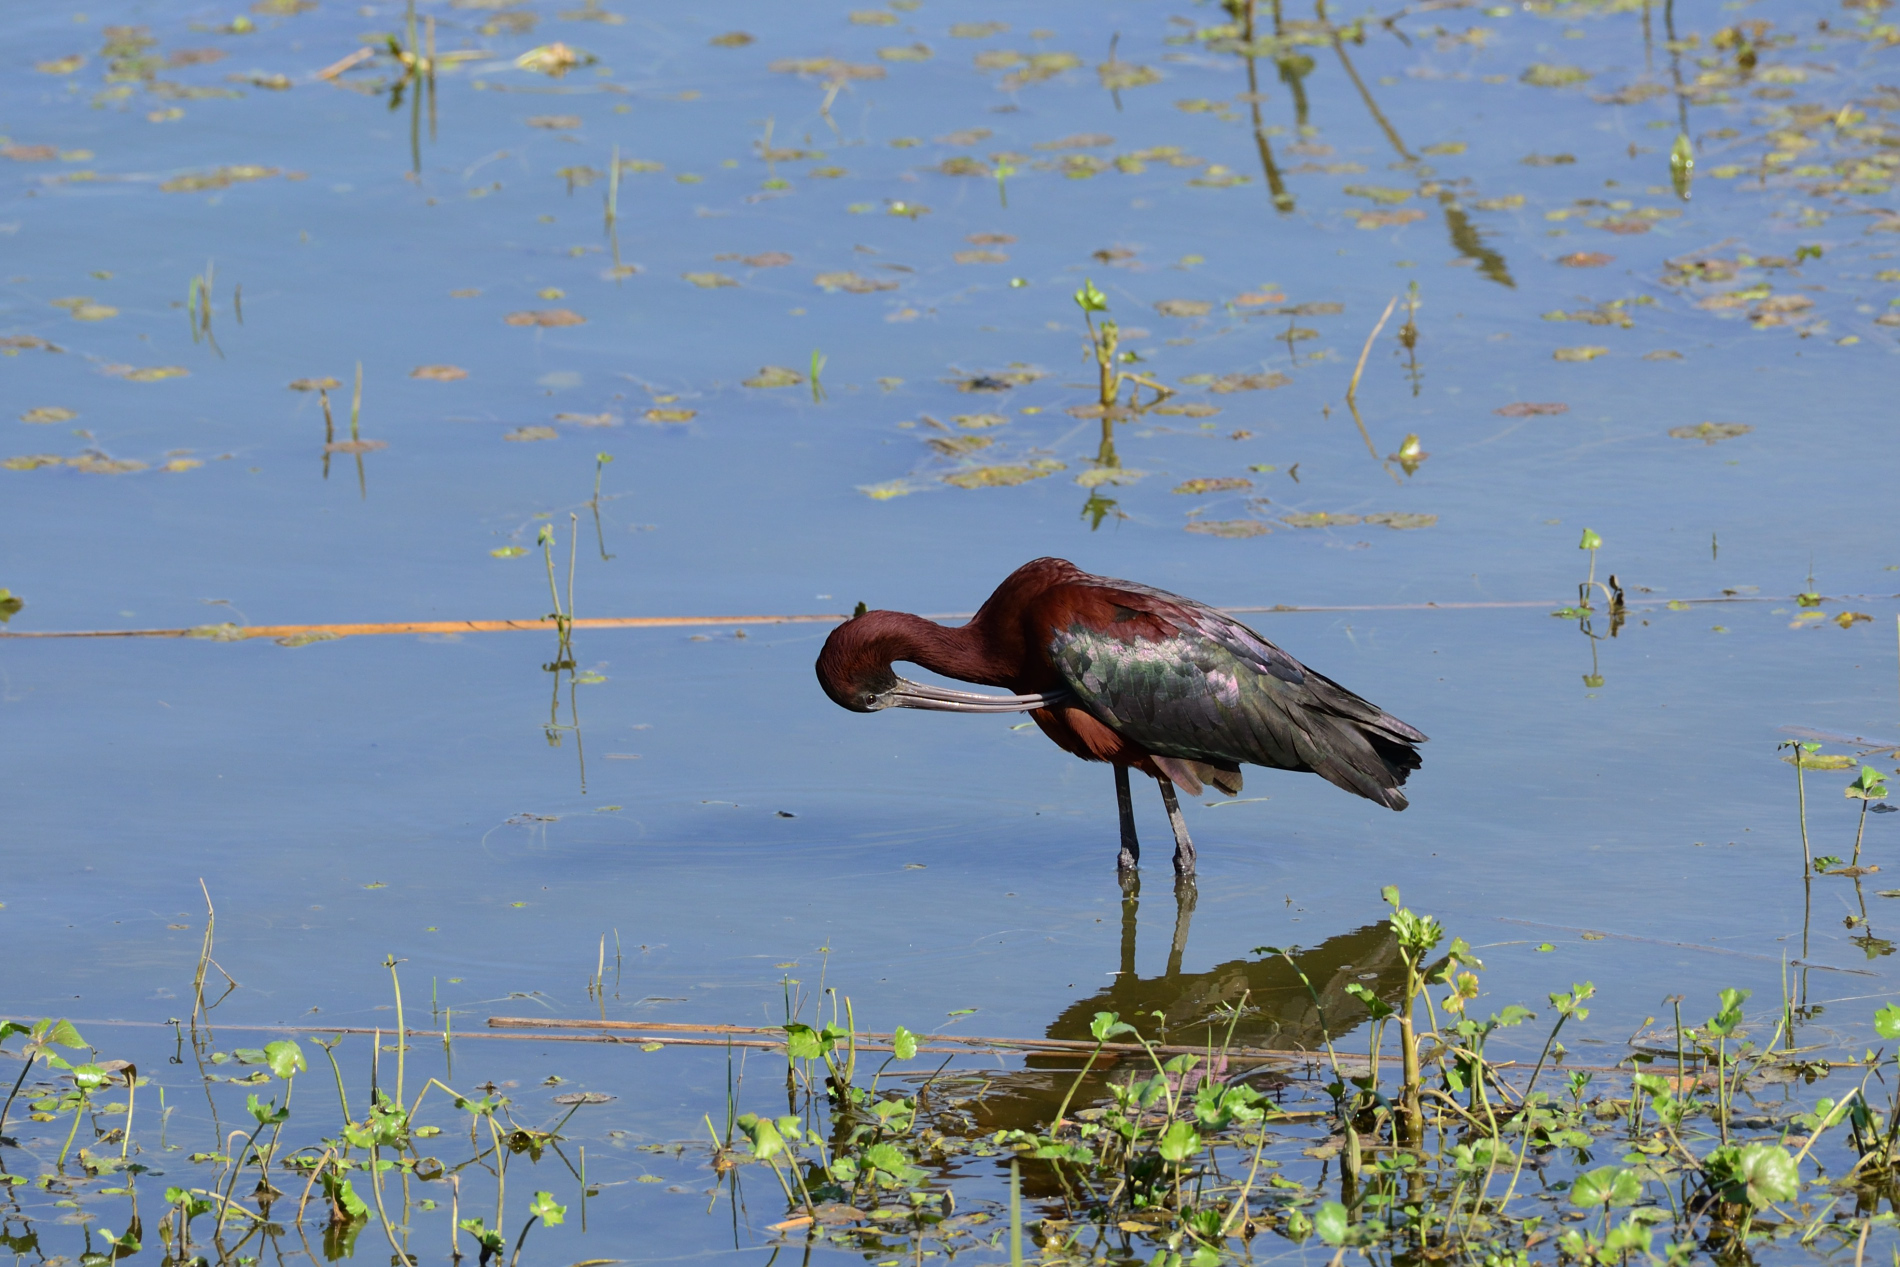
855,666
855,671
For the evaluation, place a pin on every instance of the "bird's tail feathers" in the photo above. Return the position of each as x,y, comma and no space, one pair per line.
1364,757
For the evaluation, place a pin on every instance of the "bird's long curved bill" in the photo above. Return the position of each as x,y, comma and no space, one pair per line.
909,694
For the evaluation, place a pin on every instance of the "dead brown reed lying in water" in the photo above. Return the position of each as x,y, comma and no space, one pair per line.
241,633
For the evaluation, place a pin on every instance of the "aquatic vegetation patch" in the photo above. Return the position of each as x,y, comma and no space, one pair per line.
217,178
1232,529
546,317
1389,519
1004,476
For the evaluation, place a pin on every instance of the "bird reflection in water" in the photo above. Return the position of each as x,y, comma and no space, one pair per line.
1263,999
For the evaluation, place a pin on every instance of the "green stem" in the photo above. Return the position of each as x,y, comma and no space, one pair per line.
402,1031
77,1111
519,1240
1801,794
131,1102
376,1189
1524,1147
342,1096
17,1084
1015,1214
1075,1086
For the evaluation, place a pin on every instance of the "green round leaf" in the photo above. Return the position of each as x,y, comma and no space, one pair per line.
1331,1223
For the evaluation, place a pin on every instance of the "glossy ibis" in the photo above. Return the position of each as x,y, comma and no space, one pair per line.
1135,676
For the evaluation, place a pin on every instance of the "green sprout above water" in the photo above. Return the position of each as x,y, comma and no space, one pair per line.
1871,786
1612,591
1682,165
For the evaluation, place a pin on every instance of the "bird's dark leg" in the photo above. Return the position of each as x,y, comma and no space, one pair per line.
1183,844
1130,856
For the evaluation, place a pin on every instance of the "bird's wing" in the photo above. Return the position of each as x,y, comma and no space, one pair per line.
1185,681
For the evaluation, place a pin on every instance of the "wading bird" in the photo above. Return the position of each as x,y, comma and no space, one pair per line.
1138,677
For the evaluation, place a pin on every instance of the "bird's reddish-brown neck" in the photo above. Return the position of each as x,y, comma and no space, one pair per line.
963,653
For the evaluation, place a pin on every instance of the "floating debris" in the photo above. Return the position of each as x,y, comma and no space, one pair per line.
1184,307
1710,432
1213,484
554,60
148,374
1588,352
217,178
1229,383
82,309
1532,409
14,344
775,376
1548,75
1322,519
672,415
959,446
1003,476
1218,177
525,434
545,317
49,413
1097,476
852,283
92,463
433,373
1233,529
1386,219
